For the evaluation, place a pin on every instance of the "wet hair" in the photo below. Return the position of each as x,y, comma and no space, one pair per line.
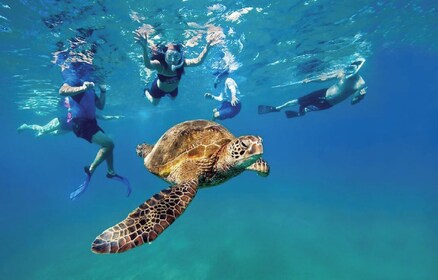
159,53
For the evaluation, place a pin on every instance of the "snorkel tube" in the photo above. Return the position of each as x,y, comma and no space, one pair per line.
176,67
357,64
220,74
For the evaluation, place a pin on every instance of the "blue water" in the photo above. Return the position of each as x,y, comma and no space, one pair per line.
352,192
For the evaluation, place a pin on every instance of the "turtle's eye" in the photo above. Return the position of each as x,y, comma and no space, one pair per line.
245,143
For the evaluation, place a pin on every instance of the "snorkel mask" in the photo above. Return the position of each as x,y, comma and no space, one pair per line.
172,57
220,75
354,67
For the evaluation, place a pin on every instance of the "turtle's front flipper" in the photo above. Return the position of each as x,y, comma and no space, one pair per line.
146,222
261,167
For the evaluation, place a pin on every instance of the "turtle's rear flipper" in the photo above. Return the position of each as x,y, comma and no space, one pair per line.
122,180
261,167
146,222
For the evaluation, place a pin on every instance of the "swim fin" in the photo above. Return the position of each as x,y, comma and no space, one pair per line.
291,114
264,109
83,186
122,180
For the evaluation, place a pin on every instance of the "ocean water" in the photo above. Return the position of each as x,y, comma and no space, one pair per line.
352,192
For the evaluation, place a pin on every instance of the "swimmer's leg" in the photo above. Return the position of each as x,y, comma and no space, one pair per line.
151,99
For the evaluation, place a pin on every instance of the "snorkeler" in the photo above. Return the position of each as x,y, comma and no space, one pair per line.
229,93
350,83
59,125
79,87
169,62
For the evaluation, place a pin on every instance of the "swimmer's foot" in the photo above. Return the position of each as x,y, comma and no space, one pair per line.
148,95
121,179
22,127
216,115
264,109
87,170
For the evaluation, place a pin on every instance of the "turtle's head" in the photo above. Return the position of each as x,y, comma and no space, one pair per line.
143,150
244,151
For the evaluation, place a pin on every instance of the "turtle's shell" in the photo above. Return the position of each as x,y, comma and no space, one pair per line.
190,140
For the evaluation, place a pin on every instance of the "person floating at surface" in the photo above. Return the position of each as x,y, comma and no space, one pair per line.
350,83
231,104
169,64
80,89
59,125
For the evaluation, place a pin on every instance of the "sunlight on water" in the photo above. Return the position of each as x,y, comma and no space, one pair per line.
352,190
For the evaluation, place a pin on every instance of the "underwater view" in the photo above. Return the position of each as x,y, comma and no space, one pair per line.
244,139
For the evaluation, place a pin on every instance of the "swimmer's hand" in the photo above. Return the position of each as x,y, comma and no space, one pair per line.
234,101
208,95
215,38
358,97
105,117
88,85
141,38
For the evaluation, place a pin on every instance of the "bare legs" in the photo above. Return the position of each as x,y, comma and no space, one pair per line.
104,153
151,99
216,114
53,127
290,103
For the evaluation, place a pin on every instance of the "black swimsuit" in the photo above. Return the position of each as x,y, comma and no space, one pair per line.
168,79
156,92
314,101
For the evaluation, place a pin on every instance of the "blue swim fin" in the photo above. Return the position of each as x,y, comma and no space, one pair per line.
83,186
122,180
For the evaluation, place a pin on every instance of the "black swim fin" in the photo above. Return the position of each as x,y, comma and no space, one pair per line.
264,109
291,114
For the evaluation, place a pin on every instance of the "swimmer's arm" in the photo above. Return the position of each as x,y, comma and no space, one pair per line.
217,98
212,39
142,39
106,117
358,95
101,100
232,86
201,57
323,78
151,64
67,90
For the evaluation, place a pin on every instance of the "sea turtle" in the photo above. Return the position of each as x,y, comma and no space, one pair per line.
190,155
